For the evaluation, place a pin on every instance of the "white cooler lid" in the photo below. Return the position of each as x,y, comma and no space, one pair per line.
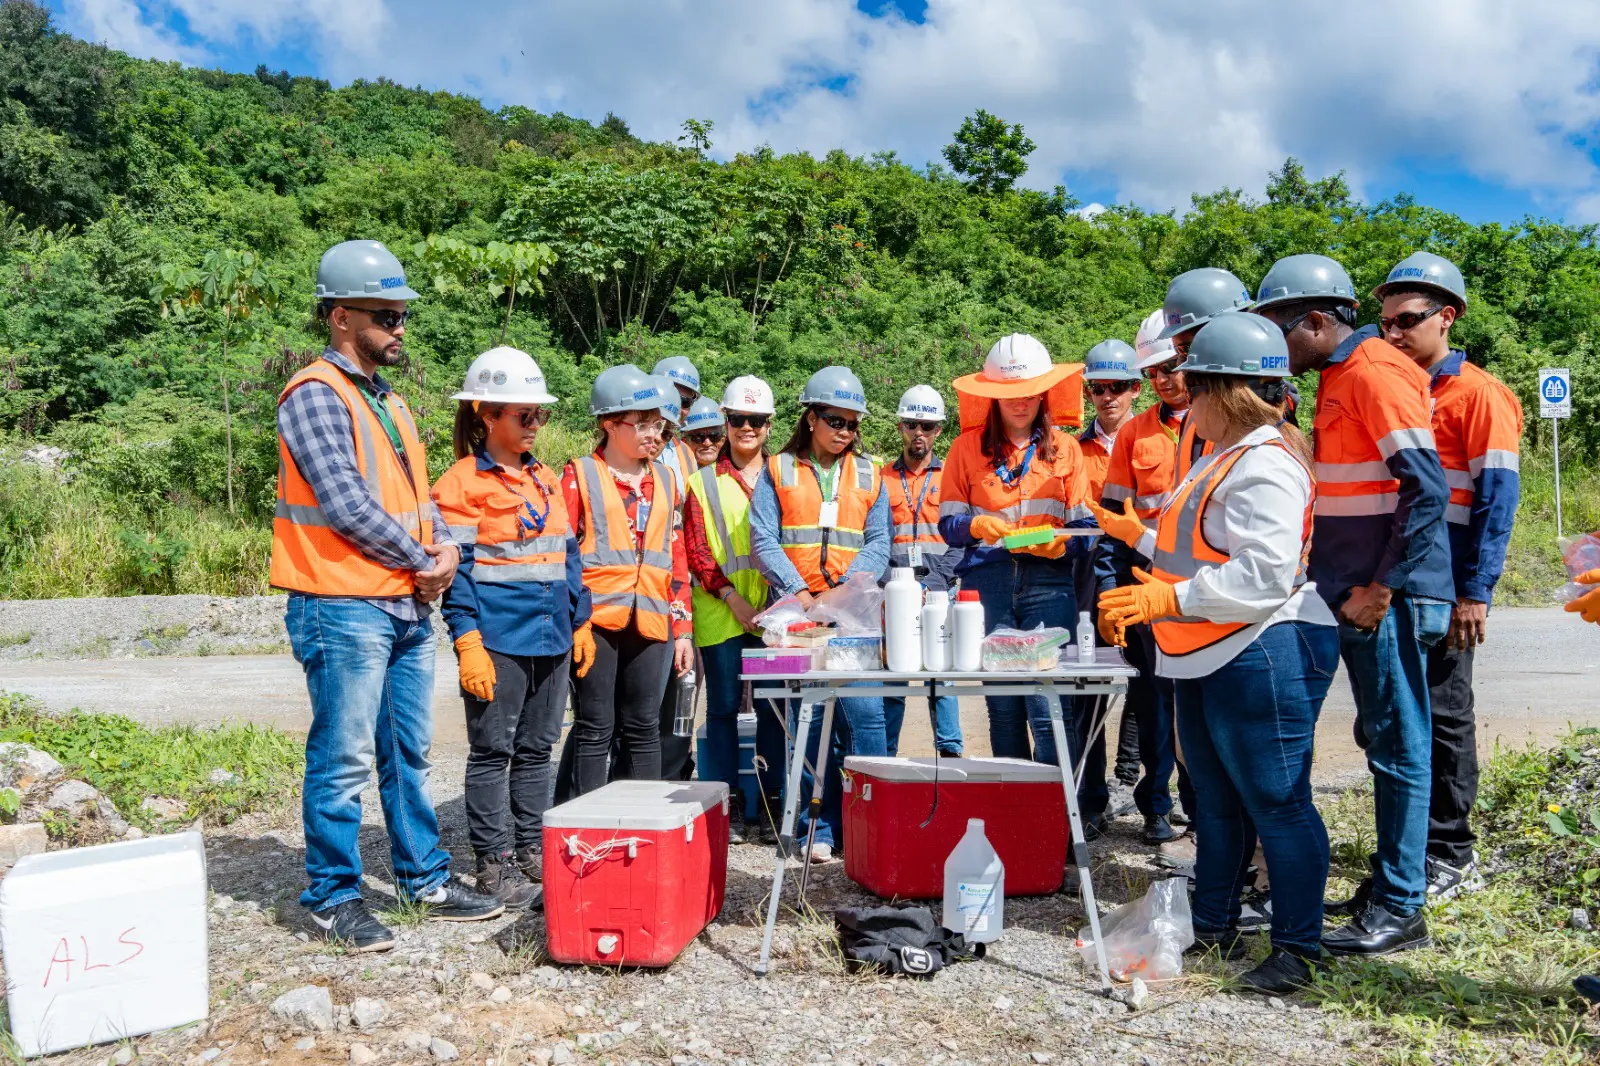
952,770
660,805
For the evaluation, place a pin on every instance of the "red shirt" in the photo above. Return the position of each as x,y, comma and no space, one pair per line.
702,564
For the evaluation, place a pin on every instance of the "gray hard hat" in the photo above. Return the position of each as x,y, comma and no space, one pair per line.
1110,360
1196,295
835,386
358,270
1242,344
671,403
625,388
1424,270
1305,277
681,371
704,414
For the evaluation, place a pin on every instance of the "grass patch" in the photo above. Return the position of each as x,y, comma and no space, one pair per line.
1533,562
15,640
128,761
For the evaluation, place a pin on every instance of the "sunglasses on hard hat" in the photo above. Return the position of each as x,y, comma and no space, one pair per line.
1406,321
840,424
383,318
1111,388
921,427
705,436
739,421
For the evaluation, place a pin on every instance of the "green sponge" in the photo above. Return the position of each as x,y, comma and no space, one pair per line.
1028,538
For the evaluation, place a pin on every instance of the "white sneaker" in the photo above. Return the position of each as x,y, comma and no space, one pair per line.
821,853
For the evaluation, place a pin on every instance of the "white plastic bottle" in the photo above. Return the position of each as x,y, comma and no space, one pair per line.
967,631
1085,637
902,620
936,632
974,887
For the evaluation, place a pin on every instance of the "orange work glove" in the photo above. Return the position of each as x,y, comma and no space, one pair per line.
1130,605
989,529
583,648
477,669
1050,549
1587,605
1108,632
1126,527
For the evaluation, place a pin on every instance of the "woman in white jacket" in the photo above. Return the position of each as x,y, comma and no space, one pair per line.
1249,644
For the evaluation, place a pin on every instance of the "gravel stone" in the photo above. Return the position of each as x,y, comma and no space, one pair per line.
500,995
68,796
305,1043
22,765
1579,919
367,1013
362,1055
442,1050
309,1006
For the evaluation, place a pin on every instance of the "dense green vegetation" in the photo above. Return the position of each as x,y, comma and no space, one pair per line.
118,177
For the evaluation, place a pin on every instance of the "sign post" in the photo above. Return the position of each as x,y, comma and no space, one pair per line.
1555,403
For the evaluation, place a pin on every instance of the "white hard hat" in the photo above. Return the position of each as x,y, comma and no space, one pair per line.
504,375
921,403
1017,357
1148,345
748,394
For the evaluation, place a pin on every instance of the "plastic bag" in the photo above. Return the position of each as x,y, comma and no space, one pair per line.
1145,938
1022,650
855,607
776,619
1581,554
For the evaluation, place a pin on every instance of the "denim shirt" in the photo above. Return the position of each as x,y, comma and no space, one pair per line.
766,518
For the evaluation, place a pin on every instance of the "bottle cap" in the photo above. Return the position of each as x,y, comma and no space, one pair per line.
967,596
902,573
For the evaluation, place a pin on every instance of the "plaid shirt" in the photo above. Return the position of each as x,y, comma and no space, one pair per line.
317,429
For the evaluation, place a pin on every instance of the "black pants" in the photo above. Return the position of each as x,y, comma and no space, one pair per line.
1127,770
621,697
512,736
1455,754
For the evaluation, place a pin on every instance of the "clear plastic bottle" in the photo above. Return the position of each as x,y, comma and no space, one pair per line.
936,632
902,620
967,631
683,719
975,887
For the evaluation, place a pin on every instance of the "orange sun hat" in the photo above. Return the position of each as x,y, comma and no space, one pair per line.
1018,366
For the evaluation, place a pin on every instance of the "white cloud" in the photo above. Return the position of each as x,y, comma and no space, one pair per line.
121,24
1164,97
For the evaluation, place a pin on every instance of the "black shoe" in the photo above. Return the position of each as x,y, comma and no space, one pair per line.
1094,827
352,926
1588,987
500,877
530,861
1229,944
1255,912
1177,817
457,901
1349,908
1282,974
1158,830
1448,882
737,833
1377,932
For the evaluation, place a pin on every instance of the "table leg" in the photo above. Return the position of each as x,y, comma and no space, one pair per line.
1080,850
791,802
818,772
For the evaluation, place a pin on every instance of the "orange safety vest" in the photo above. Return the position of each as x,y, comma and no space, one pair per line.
1144,464
1047,494
490,509
1182,550
823,555
1096,461
912,525
307,555
624,579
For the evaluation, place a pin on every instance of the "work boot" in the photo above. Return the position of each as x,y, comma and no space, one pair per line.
1094,827
1158,830
457,901
769,819
1282,973
1447,882
499,876
1375,931
352,927
1229,944
1588,986
530,860
737,832
1349,908
1255,912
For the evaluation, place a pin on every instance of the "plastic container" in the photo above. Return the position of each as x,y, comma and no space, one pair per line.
634,871
936,632
749,783
975,887
1580,554
966,631
902,620
852,654
683,718
778,660
1023,651
896,838
1085,637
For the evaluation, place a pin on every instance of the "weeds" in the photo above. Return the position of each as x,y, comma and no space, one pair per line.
15,640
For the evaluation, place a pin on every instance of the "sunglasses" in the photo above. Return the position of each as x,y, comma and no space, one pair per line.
841,425
537,416
738,421
1167,369
384,319
1406,321
922,427
1294,323
1112,388
705,436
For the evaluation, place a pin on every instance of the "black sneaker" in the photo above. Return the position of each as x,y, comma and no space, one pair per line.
1229,944
1447,882
1158,830
1282,973
457,901
1588,986
1349,908
352,926
1375,931
499,876
1255,911
737,834
530,861
1094,827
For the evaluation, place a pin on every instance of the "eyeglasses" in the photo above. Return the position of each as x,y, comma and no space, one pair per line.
921,427
738,421
838,423
654,425
1406,321
705,436
1167,369
1112,388
536,416
384,319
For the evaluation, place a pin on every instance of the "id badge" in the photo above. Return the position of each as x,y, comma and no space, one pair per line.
916,554
828,517
643,514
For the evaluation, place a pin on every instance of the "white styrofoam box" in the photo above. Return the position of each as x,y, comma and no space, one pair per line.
105,942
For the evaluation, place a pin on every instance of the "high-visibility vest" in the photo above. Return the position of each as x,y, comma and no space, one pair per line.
823,555
908,524
681,465
490,510
1047,494
1182,550
1477,428
1144,465
307,555
726,511
624,580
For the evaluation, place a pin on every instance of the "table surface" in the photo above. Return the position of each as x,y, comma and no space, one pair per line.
1109,665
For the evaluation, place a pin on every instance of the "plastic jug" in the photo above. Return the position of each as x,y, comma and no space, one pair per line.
936,632
902,620
967,631
974,887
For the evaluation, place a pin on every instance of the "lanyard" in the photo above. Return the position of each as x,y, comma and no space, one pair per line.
830,487
1011,475
534,521
916,511
1171,433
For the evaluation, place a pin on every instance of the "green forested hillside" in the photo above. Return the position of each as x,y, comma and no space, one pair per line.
118,176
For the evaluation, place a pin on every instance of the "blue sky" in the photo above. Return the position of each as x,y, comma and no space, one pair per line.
1491,115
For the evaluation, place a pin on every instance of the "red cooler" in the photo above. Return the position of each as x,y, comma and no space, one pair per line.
889,852
633,871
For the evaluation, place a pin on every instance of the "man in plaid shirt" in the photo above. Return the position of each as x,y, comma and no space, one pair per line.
362,550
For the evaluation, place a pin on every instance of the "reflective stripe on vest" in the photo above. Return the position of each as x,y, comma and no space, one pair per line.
624,581
307,554
822,555
921,529
506,550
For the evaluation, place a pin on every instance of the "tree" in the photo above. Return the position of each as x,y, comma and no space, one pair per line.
232,283
498,268
697,131
989,154
1288,185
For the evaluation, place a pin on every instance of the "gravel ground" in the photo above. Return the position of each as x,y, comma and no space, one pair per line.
119,627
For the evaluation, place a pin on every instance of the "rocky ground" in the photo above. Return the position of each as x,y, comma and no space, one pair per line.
120,627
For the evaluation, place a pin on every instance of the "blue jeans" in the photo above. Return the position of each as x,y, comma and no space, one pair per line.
370,677
1389,676
1020,593
858,729
724,693
1247,732
945,717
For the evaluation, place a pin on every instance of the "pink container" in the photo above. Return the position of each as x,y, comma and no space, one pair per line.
778,660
